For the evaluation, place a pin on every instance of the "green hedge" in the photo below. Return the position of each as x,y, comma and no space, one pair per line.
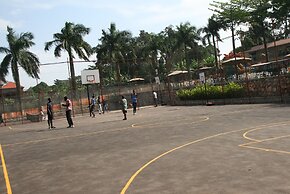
231,90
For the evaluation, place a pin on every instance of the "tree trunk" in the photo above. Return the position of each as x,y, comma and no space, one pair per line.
118,73
233,39
186,62
18,88
234,49
265,47
215,54
286,28
73,77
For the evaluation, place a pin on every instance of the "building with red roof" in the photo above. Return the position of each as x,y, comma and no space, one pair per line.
9,89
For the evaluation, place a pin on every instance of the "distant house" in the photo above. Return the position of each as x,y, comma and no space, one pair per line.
9,89
279,48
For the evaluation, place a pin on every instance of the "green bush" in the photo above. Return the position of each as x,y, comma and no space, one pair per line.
232,90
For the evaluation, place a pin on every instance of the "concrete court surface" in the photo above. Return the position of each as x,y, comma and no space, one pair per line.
231,149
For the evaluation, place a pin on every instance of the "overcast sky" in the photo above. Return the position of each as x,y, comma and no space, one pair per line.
44,18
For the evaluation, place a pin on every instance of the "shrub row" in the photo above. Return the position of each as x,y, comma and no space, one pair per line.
231,90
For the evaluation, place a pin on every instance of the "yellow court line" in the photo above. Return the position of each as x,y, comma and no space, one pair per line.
255,141
168,152
261,141
265,149
245,135
129,182
8,186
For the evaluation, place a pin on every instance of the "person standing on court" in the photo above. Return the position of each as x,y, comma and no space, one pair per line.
155,98
68,111
92,106
105,105
49,114
124,107
1,119
99,105
134,100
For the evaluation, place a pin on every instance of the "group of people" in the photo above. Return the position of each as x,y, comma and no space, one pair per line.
68,111
101,103
102,107
124,104
134,100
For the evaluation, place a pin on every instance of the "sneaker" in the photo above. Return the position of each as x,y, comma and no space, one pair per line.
125,119
72,126
53,127
68,127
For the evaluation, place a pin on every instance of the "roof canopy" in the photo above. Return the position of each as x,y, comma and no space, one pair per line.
233,61
176,73
136,79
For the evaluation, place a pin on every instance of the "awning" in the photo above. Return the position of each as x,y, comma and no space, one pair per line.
260,64
205,68
136,79
237,60
177,73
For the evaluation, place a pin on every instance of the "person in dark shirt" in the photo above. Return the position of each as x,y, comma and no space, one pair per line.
1,119
92,106
134,101
49,114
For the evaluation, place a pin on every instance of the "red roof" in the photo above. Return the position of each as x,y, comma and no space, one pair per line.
10,85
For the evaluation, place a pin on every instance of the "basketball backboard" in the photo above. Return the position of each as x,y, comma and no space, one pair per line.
90,76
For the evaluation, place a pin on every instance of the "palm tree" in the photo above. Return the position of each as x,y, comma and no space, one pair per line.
148,49
17,54
187,37
71,40
211,31
113,43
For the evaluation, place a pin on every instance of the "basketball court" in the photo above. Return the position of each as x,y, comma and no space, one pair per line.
196,149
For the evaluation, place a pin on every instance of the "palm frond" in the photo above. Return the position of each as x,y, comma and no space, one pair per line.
48,45
4,50
30,63
57,50
4,67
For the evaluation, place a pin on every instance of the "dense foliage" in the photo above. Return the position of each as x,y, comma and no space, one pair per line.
201,92
121,57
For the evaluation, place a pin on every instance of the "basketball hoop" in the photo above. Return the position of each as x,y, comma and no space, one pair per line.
90,76
91,79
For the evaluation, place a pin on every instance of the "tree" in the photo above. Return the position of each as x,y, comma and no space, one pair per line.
230,14
168,47
41,87
259,13
211,31
281,14
113,43
71,40
148,49
17,54
187,37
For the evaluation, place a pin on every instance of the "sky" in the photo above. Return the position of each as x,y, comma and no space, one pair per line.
44,18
